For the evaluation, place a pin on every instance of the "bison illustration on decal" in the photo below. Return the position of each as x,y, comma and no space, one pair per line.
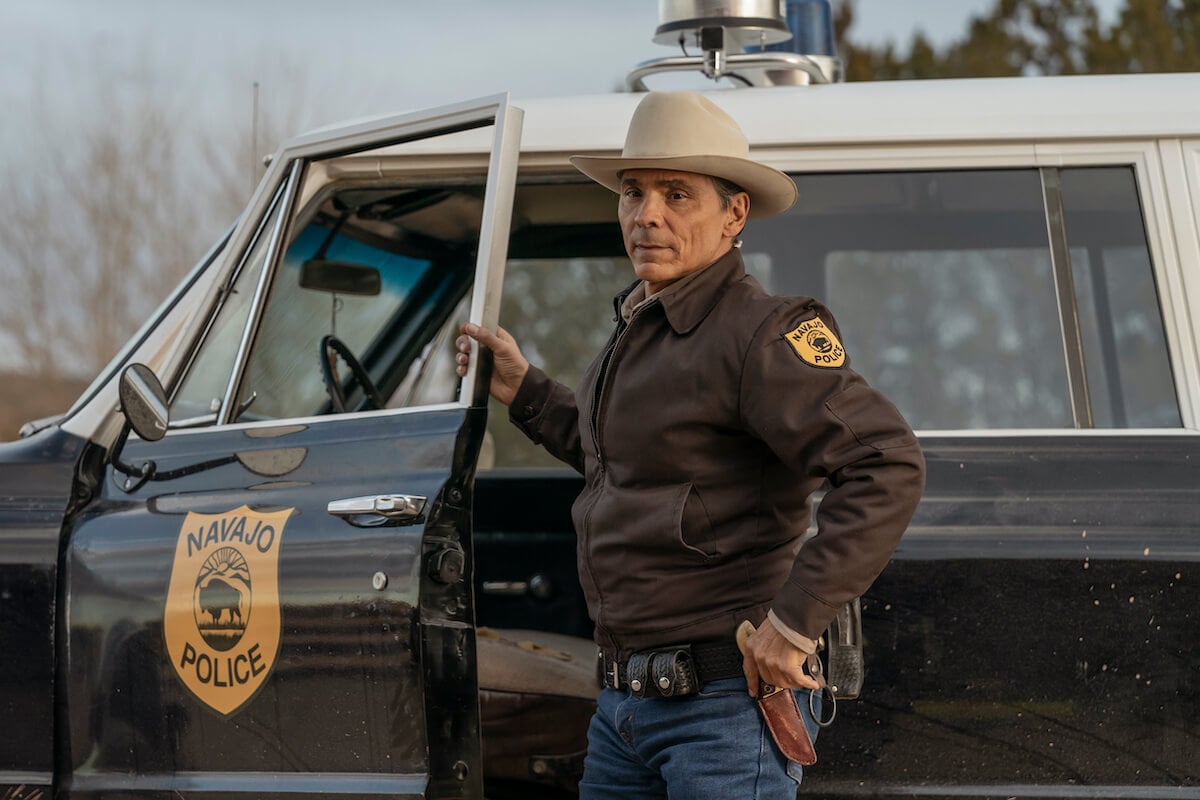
222,602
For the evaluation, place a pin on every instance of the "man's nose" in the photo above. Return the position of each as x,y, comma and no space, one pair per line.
649,211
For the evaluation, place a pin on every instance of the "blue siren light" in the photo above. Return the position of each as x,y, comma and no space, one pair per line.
811,23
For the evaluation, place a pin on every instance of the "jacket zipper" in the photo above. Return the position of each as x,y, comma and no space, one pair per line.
603,376
594,422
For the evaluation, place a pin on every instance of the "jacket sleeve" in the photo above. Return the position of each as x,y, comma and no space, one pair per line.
822,420
545,411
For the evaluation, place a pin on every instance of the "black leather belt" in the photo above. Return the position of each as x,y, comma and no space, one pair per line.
709,661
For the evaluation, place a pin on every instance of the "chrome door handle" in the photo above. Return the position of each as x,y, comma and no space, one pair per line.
378,509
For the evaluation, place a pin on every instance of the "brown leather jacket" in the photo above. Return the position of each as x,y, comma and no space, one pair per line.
702,431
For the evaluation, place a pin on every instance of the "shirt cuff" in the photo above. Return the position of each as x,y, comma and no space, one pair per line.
809,646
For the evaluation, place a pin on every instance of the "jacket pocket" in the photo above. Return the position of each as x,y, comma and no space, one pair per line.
694,527
656,525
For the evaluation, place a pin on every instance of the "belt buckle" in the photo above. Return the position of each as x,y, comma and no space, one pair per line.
616,674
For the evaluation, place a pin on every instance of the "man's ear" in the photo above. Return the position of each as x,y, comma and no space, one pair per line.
735,215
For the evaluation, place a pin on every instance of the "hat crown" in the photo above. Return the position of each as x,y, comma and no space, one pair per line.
672,124
687,132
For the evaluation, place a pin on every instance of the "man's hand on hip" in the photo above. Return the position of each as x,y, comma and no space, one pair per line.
508,365
770,658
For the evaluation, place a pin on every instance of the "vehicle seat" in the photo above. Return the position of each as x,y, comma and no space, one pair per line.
537,693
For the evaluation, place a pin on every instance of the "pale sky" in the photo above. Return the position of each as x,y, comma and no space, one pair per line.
359,56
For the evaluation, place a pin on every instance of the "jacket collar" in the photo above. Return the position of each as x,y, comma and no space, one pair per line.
687,307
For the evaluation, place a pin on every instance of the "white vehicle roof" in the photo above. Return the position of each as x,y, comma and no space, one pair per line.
973,110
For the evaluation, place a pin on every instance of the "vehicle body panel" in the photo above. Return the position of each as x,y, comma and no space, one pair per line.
1032,637
350,659
38,475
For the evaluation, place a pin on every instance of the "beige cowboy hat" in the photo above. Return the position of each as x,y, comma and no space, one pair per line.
687,132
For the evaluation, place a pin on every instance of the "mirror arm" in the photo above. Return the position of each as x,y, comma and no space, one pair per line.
135,477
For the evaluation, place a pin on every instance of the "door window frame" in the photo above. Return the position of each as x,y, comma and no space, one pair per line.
288,170
1179,162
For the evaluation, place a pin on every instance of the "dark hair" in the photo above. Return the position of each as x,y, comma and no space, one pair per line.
725,190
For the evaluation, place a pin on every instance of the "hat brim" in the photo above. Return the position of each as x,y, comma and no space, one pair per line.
771,191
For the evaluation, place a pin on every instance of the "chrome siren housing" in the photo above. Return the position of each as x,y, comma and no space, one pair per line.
755,42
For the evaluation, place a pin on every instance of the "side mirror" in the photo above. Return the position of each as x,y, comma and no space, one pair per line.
144,405
144,402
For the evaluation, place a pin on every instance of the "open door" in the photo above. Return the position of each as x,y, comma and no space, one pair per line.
285,605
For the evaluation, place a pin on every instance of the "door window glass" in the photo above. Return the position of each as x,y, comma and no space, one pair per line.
370,275
432,377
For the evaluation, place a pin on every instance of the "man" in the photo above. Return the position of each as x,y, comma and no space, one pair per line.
702,430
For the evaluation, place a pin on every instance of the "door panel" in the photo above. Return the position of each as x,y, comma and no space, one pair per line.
344,694
227,632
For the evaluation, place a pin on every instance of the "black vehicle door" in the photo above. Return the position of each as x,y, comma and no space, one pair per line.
281,606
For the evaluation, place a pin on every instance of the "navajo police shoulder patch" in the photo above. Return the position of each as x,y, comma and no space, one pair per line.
816,344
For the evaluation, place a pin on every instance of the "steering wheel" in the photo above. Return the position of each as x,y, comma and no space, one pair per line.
332,344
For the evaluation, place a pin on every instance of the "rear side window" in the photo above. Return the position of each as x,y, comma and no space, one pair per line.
955,301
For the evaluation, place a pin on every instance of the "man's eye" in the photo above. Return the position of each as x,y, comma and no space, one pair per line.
678,196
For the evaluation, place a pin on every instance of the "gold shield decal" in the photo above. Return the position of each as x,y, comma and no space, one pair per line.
816,344
221,622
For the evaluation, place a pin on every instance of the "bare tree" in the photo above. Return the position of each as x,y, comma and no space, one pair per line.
270,113
96,227
92,234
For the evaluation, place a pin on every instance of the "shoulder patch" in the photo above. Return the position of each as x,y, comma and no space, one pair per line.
815,344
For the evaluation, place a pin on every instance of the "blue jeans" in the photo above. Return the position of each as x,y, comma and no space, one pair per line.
712,744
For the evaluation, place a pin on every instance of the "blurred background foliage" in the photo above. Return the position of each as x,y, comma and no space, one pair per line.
92,236
1037,37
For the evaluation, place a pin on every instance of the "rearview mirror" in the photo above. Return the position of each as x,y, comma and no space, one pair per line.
342,277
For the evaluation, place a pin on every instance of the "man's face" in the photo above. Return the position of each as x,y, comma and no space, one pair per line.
673,223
